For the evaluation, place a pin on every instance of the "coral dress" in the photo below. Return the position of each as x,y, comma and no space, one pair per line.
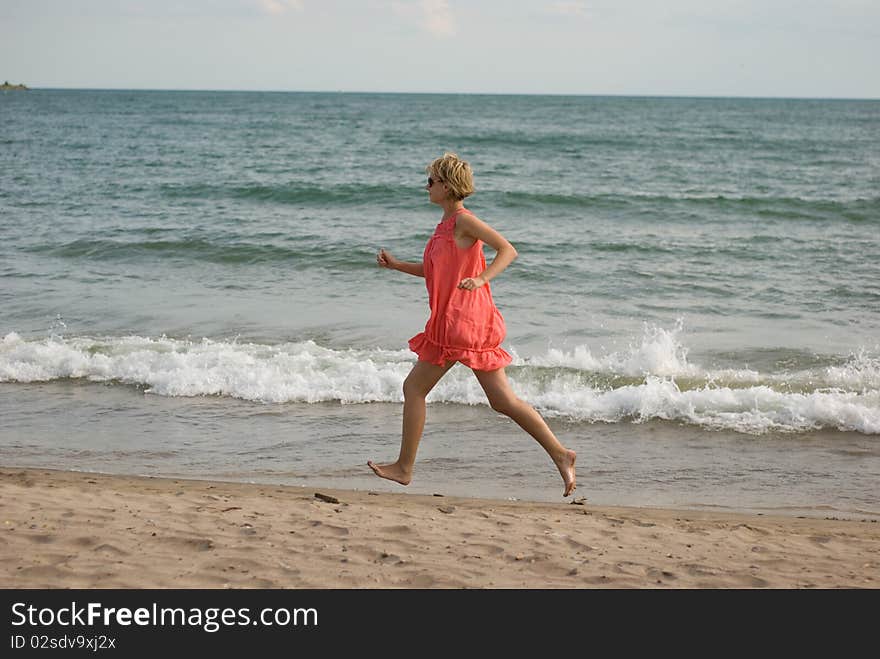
464,326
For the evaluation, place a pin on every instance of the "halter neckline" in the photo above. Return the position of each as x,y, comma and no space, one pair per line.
446,219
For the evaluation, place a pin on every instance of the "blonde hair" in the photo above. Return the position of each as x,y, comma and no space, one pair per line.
455,173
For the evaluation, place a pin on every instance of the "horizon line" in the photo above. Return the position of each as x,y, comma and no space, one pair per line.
457,93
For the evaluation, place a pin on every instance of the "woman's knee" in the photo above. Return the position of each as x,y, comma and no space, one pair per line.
412,388
504,405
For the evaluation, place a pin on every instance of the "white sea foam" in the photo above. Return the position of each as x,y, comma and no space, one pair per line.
860,372
753,410
658,352
660,382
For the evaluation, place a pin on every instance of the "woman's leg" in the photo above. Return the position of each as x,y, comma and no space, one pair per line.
418,384
503,400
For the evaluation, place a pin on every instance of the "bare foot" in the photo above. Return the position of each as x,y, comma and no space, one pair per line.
566,468
392,472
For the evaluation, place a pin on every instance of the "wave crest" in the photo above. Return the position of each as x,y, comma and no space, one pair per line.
651,379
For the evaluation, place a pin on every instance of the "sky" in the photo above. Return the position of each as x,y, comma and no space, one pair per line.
764,48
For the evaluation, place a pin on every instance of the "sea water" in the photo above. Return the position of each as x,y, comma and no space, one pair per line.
188,287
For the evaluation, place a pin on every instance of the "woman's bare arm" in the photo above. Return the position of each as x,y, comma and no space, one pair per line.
386,260
472,227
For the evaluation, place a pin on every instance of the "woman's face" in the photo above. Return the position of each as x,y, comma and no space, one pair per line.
437,190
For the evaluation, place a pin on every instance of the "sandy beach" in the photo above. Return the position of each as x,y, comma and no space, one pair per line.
78,530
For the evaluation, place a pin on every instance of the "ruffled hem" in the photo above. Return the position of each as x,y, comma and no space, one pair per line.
489,359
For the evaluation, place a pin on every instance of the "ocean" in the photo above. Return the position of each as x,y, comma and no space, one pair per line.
188,288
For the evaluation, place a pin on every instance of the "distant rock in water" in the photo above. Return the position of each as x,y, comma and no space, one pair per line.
6,87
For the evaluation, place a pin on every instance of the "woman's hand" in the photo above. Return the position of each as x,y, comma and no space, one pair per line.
471,283
386,260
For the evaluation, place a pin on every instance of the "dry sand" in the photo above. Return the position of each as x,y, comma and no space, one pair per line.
75,530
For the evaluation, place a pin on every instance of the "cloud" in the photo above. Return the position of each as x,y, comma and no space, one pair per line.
432,16
437,18
278,7
569,8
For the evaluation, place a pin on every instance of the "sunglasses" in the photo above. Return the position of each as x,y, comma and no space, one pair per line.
432,181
